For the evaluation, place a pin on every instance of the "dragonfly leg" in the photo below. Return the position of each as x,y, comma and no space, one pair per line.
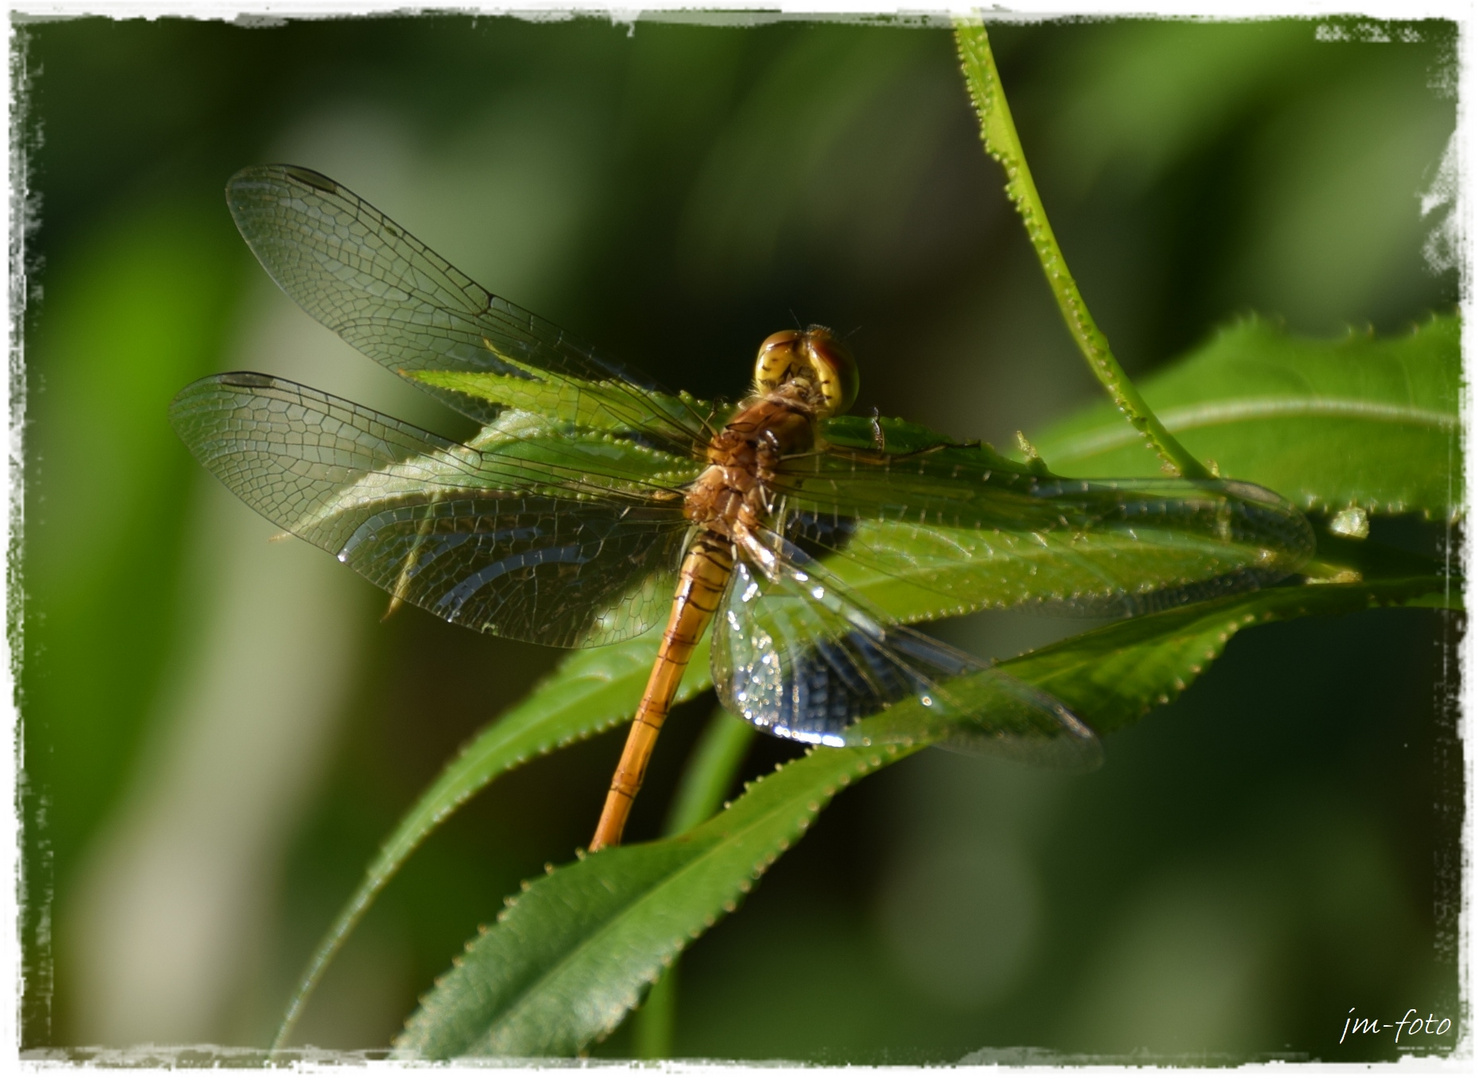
880,456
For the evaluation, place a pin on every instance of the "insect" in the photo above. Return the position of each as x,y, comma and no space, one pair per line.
592,504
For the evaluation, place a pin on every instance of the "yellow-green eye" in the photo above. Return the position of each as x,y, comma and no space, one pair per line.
816,356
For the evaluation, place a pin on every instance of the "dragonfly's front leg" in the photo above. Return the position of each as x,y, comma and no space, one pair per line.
701,581
880,454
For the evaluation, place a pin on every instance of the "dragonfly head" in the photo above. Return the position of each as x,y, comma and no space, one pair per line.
813,362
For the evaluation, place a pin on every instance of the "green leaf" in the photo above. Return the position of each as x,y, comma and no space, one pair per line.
1158,541
587,403
571,955
948,528
906,437
708,776
1112,676
1359,421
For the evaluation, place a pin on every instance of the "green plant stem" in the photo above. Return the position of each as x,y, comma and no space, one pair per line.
1000,137
709,775
707,778
657,1019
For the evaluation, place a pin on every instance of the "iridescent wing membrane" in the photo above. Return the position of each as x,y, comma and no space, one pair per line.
799,655
505,541
404,306
562,522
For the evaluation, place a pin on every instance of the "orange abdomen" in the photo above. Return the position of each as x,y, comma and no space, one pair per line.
701,582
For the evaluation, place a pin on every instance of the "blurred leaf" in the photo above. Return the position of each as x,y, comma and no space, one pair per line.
1358,151
1329,424
742,208
570,957
592,691
1143,95
129,314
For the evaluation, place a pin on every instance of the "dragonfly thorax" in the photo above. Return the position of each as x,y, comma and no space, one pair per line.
743,458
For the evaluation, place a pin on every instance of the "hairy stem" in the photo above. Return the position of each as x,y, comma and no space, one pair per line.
1000,137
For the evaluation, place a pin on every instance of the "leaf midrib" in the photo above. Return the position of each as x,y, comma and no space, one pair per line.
1191,417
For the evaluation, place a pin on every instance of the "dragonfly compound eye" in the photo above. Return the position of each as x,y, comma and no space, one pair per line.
812,355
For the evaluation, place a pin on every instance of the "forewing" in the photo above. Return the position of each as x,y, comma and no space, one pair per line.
796,655
509,543
959,529
402,304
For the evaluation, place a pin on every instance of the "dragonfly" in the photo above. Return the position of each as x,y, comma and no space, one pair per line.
592,504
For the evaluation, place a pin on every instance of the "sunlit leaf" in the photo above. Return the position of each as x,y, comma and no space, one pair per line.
1359,421
944,529
596,402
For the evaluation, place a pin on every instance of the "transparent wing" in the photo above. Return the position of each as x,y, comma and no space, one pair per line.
796,655
403,305
508,543
960,529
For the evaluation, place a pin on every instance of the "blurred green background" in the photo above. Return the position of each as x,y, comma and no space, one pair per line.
218,731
